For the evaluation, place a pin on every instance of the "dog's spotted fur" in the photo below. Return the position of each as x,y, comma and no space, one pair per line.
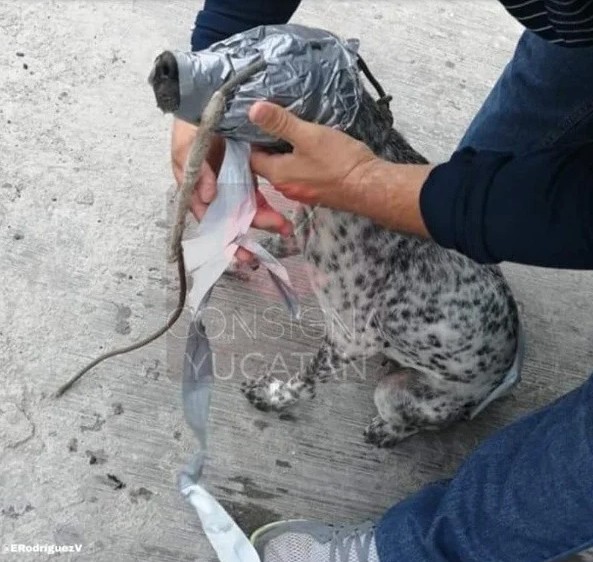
449,325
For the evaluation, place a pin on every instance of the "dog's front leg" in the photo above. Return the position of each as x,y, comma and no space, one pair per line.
270,393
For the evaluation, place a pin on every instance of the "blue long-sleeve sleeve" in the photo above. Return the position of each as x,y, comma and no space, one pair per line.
534,208
220,19
565,22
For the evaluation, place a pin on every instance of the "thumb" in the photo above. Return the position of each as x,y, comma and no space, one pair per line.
277,121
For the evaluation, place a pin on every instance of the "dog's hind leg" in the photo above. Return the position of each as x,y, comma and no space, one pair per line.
409,401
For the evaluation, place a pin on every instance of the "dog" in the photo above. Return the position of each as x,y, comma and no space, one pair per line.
449,327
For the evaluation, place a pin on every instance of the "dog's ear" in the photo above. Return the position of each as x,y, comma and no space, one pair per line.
384,107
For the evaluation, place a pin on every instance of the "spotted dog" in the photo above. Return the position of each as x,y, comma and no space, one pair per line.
448,325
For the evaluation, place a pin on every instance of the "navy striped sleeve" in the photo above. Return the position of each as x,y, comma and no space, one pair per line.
535,208
568,23
220,19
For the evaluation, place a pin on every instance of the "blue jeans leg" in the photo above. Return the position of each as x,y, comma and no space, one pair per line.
543,97
526,494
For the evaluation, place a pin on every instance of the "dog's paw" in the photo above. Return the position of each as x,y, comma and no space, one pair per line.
256,392
384,435
268,393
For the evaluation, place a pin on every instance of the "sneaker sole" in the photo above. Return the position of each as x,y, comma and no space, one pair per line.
262,530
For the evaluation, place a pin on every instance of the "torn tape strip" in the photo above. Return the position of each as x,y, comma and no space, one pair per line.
227,539
222,230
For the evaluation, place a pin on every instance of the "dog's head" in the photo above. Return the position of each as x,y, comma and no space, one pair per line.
309,71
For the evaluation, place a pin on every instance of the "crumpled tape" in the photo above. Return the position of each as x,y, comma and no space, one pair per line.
225,536
222,230
311,72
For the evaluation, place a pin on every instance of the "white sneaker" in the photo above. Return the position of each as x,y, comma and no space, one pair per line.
308,541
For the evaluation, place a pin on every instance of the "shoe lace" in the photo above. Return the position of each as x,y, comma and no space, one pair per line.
345,538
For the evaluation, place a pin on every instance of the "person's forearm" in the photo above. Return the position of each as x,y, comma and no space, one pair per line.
220,19
535,208
389,194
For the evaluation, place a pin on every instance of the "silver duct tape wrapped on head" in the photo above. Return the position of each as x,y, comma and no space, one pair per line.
311,72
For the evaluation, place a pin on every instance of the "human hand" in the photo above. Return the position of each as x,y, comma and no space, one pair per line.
182,137
326,166
266,217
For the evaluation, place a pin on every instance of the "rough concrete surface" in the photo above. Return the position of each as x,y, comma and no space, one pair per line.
85,189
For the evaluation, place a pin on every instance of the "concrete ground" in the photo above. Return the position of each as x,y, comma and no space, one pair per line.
85,190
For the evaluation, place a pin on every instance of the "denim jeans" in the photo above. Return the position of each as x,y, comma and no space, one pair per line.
526,493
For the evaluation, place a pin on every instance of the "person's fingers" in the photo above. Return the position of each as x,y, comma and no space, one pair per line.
302,193
198,207
216,153
269,218
278,122
276,168
206,185
260,199
182,136
245,256
273,221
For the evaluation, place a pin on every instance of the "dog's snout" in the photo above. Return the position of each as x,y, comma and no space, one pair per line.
164,79
166,65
